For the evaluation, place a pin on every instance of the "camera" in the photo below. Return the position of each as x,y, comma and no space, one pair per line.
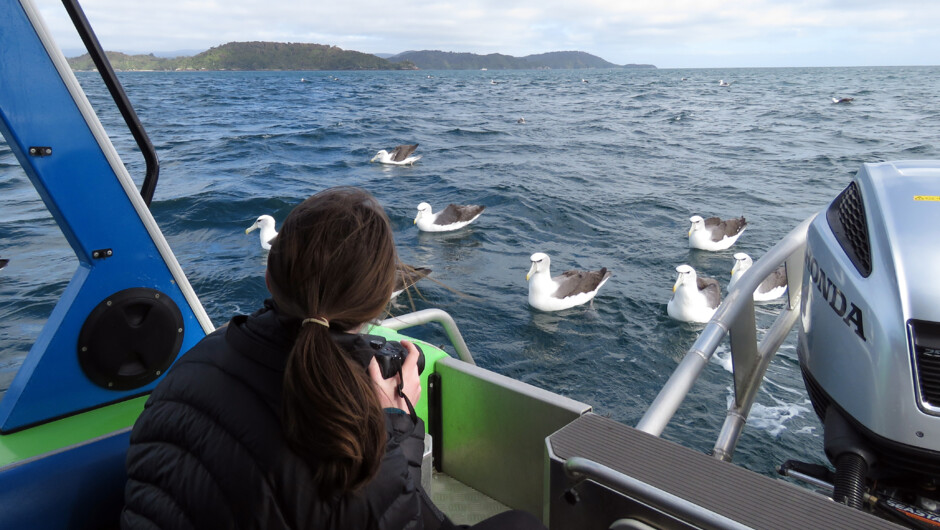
390,355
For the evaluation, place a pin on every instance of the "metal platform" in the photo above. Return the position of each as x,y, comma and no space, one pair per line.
633,470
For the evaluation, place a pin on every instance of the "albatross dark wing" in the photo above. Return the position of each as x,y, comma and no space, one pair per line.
458,214
722,229
407,276
403,151
777,279
3,263
571,283
711,289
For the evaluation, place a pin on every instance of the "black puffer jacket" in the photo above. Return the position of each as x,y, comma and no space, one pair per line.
207,452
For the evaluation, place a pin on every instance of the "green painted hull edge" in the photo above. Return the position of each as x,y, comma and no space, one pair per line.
60,434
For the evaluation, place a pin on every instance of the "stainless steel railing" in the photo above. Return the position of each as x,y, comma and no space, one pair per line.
426,316
687,511
735,318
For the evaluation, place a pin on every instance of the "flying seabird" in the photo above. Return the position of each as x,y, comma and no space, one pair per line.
451,218
406,276
843,100
400,156
265,223
694,298
771,288
713,233
574,287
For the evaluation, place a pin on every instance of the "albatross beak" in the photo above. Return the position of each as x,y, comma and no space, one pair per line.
250,228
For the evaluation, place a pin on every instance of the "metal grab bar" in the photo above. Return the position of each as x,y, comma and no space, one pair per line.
749,361
582,468
425,316
119,96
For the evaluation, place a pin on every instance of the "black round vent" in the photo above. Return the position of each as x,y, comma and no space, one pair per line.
130,338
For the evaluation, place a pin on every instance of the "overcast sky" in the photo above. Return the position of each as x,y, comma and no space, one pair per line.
666,33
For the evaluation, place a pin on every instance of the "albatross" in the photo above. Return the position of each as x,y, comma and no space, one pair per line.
713,233
400,156
265,223
453,217
3,262
771,288
406,276
574,287
694,298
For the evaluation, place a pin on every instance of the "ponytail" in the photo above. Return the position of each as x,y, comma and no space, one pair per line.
332,418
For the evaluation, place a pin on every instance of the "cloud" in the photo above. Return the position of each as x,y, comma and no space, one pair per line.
668,32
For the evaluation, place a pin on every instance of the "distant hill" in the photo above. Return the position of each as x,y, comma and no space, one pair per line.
306,56
438,60
252,56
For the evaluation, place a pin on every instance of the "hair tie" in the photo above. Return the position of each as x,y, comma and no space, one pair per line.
319,320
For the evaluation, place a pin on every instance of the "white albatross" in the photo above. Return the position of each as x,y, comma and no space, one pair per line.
454,217
571,288
400,156
771,288
265,223
694,298
406,276
713,233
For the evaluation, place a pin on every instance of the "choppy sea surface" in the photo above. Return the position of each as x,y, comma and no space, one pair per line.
605,172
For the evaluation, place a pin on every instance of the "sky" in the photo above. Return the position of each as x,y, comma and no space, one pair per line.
665,33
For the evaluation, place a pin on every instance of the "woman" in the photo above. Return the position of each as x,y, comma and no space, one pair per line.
267,423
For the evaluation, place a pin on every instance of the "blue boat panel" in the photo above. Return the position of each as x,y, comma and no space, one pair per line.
91,204
82,487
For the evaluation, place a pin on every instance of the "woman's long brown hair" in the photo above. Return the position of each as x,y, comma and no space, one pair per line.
333,258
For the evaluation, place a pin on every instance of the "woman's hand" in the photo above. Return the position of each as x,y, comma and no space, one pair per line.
387,389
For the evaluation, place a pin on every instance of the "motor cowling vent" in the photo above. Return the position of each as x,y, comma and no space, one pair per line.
130,338
846,216
925,339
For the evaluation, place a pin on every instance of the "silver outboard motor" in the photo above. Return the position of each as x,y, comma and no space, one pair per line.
869,342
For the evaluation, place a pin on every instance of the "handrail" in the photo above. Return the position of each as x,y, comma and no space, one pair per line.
749,361
120,97
581,468
425,316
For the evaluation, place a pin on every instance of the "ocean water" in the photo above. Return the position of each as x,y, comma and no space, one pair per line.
605,172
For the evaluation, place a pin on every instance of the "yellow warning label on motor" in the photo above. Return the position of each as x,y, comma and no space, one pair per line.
933,198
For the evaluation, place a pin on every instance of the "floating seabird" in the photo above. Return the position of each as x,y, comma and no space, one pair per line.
265,223
713,233
400,156
721,82
771,288
574,287
521,120
694,298
451,218
406,276
584,80
494,82
843,100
